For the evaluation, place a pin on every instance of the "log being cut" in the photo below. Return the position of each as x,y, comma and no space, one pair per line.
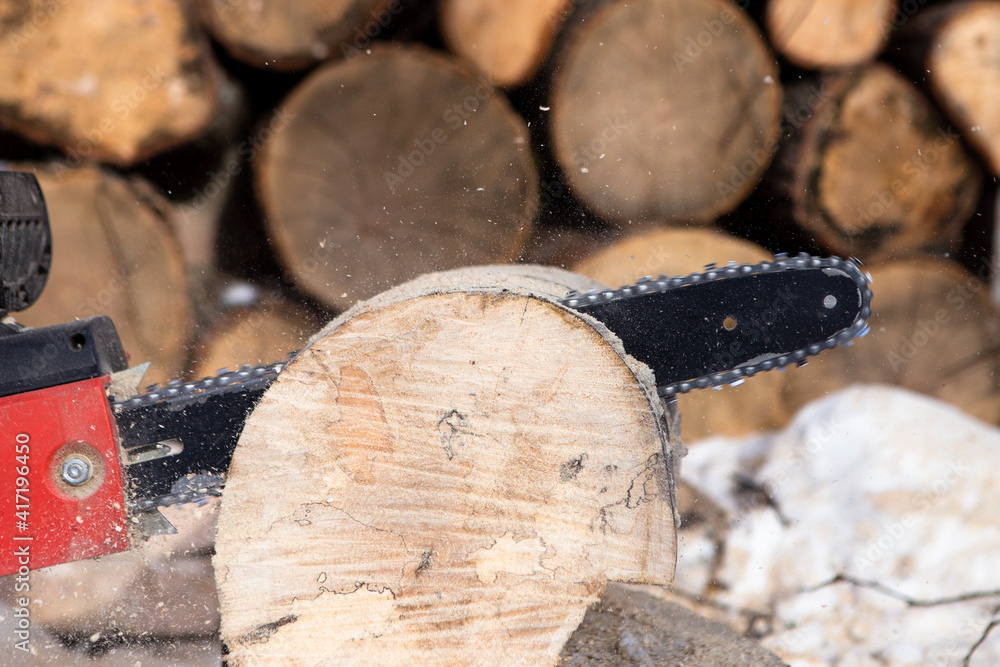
465,467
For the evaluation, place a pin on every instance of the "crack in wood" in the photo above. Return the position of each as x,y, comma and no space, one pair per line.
262,633
633,497
453,427
570,469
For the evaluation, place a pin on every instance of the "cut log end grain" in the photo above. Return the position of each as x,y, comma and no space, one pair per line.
964,72
394,164
664,110
933,330
449,474
506,39
114,254
752,406
293,34
118,81
875,173
829,33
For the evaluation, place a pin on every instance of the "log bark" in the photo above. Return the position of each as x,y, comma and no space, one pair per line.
871,170
294,34
664,109
752,406
114,254
258,334
116,81
508,40
825,34
454,471
934,330
390,165
953,46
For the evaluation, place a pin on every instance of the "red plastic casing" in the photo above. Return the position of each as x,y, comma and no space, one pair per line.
43,520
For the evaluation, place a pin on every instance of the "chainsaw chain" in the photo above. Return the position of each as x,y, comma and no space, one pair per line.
190,489
782,262
178,391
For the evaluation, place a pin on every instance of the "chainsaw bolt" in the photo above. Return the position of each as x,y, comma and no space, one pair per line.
76,471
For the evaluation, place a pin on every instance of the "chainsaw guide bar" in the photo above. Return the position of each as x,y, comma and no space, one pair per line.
707,329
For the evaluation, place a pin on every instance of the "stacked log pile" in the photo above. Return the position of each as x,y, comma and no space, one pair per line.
224,177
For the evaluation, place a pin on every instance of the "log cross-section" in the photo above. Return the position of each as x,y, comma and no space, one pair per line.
664,109
391,165
449,474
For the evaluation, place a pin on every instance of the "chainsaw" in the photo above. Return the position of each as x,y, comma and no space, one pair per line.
86,460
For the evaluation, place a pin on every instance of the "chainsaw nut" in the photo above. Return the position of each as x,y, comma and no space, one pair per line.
76,471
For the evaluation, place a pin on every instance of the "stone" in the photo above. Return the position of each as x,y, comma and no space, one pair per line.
864,533
630,628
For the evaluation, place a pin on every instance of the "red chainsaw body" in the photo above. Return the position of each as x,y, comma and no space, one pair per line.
43,519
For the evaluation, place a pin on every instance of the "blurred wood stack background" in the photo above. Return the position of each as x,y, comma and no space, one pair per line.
224,176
